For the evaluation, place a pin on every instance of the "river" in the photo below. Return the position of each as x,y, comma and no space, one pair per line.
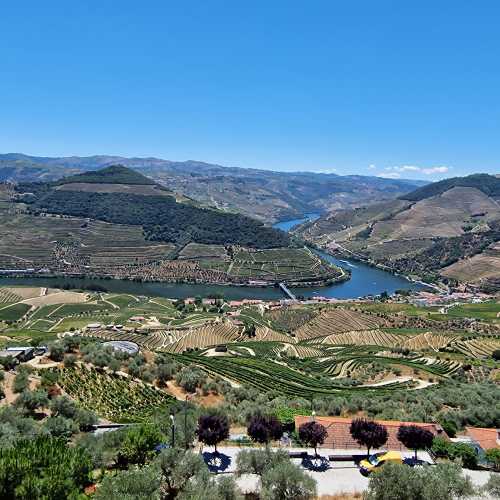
365,280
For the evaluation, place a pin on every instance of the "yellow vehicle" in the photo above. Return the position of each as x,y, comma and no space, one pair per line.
375,462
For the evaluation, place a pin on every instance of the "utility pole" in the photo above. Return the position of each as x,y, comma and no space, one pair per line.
172,419
185,422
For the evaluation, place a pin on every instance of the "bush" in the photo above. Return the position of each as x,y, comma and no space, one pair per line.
465,453
44,468
496,355
443,482
63,406
70,361
60,427
455,451
30,401
493,457
493,486
190,378
450,428
285,481
21,383
139,444
255,461
56,352
139,484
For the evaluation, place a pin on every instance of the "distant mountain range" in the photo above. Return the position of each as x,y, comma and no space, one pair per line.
267,195
446,230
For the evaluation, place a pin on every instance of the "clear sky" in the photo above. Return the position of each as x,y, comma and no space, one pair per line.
395,88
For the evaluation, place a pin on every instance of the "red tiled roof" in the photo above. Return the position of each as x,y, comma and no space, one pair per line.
339,435
486,438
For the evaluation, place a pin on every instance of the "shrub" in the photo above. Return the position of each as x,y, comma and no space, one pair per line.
444,481
56,352
493,457
21,383
285,481
139,444
493,486
60,427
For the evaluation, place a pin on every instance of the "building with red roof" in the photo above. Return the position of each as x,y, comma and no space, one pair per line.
339,435
483,438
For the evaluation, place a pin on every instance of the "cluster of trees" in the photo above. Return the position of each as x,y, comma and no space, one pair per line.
444,252
455,402
488,184
114,174
161,217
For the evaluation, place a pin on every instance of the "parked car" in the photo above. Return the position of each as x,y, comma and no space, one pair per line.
375,462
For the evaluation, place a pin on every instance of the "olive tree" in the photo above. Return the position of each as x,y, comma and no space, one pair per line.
286,480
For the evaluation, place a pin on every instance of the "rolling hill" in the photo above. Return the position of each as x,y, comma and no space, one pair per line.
448,229
115,222
262,194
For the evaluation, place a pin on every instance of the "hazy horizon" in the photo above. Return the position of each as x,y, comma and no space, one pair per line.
392,90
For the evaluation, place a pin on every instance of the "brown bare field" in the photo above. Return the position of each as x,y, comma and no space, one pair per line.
485,265
200,251
62,297
439,216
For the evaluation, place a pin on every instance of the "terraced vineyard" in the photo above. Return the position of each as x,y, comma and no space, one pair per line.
429,341
477,348
115,397
263,333
337,321
219,333
370,337
270,376
175,341
7,295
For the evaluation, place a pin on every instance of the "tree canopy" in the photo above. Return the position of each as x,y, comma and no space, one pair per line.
415,437
368,433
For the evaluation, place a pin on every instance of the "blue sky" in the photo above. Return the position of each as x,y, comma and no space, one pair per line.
401,89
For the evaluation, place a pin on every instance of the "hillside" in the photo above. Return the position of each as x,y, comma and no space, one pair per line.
117,223
448,229
263,194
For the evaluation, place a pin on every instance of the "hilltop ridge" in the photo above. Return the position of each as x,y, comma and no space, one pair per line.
263,194
448,230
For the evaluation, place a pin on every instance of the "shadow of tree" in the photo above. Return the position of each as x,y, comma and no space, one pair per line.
316,463
216,462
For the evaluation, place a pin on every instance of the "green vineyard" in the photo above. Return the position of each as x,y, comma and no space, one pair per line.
115,397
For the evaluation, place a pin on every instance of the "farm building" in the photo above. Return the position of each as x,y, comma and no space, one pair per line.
123,346
94,326
20,353
339,435
482,439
